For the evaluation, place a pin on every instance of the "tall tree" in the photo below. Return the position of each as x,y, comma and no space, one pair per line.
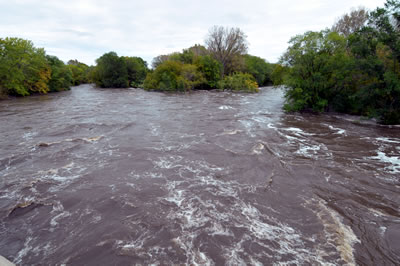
137,70
61,75
259,68
226,45
111,71
79,72
352,22
23,68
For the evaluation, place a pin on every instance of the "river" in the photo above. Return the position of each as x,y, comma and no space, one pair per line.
124,176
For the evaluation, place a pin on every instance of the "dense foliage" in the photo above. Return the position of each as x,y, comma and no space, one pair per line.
259,69
174,76
219,66
25,69
80,72
61,76
113,71
137,71
239,82
358,73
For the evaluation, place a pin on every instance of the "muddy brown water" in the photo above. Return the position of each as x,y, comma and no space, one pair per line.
122,177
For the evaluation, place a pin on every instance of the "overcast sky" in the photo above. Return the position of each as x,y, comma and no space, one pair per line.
86,29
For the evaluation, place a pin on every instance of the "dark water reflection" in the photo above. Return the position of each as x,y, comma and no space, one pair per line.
120,177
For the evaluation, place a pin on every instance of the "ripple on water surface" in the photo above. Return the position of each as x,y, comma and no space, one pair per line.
207,178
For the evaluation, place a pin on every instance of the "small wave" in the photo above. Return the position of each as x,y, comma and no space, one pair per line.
339,131
297,131
89,139
230,132
388,140
394,162
258,148
225,107
337,233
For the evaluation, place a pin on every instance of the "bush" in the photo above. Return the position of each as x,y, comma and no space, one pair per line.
239,82
174,76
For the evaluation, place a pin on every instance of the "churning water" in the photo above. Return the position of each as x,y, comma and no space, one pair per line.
120,177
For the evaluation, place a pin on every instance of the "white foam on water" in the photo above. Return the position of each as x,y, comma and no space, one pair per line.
382,230
96,218
258,148
339,131
196,215
29,135
376,213
168,162
24,251
389,140
177,147
176,197
193,255
308,151
392,161
225,107
57,207
297,131
261,119
54,221
63,174
155,130
249,126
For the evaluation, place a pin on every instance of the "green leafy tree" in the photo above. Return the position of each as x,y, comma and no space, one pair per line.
319,70
111,71
278,74
376,49
23,68
259,68
174,76
61,75
137,70
211,70
79,72
356,72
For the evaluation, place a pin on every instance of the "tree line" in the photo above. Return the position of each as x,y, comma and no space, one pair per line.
222,64
25,69
354,67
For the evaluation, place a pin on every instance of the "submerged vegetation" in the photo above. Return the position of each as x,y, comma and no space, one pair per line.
353,67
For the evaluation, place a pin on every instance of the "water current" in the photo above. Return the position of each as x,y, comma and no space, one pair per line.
124,176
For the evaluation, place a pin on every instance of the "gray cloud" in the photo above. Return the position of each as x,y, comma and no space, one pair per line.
85,29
